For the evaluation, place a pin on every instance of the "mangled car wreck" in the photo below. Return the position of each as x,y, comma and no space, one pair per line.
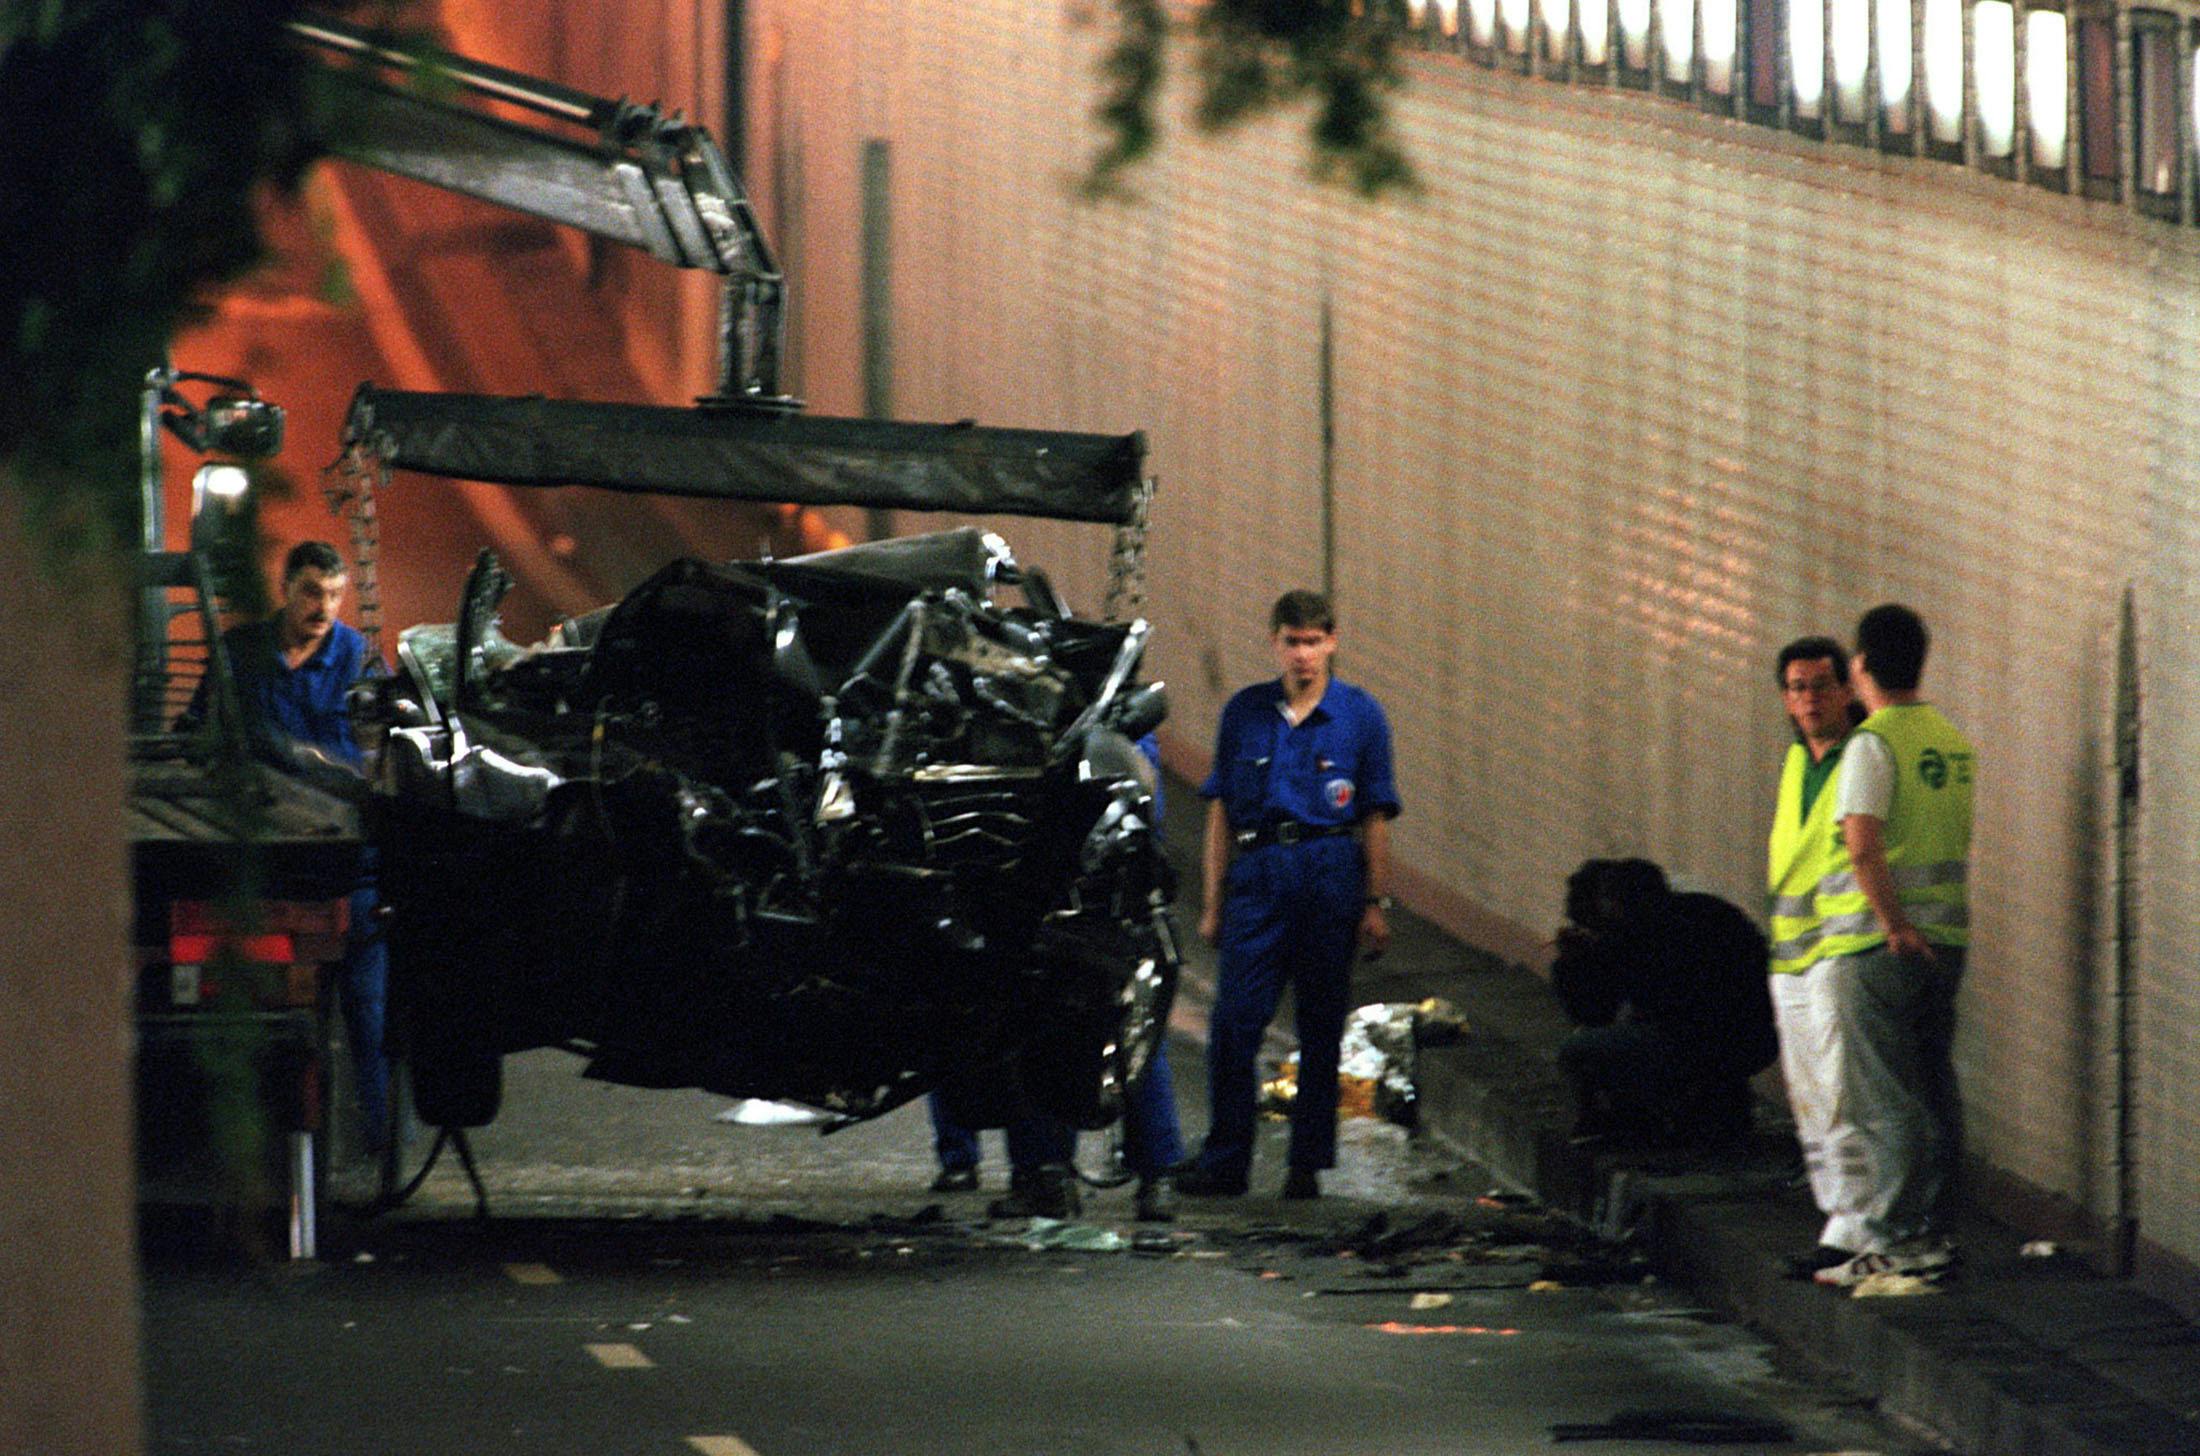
836,829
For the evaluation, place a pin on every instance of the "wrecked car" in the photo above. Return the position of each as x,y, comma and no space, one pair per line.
837,829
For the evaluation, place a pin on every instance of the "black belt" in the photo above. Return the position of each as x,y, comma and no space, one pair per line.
1288,831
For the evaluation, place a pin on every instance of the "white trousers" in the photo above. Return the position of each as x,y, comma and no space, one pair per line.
1864,1048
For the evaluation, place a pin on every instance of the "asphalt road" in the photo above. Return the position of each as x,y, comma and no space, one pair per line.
654,1280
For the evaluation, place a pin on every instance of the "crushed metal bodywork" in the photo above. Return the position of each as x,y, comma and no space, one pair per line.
837,829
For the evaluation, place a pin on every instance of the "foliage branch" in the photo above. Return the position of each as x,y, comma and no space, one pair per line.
1252,57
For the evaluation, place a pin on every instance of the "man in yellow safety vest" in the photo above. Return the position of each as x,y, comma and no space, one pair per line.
1806,851
1892,938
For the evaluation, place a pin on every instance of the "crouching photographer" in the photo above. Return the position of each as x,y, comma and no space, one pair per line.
1668,993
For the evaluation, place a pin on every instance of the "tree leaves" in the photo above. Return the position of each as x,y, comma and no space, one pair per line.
140,133
1252,57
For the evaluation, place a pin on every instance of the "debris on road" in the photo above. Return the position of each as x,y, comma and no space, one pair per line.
1440,1250
756,1112
1053,1233
1881,1286
1376,1063
1374,1237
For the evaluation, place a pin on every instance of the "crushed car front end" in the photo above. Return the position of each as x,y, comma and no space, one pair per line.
837,830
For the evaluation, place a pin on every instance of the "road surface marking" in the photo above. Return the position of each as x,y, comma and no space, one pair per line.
532,1274
721,1446
621,1357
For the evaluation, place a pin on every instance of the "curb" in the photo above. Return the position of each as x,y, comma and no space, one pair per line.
1953,1363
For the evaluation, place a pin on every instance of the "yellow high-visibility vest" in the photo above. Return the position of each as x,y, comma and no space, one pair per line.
1804,856
1927,835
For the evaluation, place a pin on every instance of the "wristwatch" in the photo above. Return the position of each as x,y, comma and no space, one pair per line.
1380,902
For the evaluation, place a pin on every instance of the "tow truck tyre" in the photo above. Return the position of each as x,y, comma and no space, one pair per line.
456,1080
455,1086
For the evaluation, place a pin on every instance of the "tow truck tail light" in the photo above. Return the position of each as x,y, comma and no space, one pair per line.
294,935
272,950
284,917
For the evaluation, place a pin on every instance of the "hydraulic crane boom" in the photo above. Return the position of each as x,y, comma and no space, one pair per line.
639,177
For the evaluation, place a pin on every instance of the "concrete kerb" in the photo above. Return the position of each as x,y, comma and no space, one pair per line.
1719,1226
1988,1366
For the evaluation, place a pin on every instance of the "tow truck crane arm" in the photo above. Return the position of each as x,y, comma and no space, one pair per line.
640,178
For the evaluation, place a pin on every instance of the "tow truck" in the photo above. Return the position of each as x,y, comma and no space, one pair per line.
241,864
1022,942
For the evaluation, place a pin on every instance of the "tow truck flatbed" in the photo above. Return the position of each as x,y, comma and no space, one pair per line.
184,836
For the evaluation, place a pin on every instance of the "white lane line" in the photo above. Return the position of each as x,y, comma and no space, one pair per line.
721,1446
532,1274
621,1357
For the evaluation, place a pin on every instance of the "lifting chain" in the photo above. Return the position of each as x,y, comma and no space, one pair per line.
348,486
1126,600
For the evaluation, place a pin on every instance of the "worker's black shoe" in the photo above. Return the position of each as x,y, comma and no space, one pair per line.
955,1180
1302,1183
1156,1200
1048,1191
1198,1181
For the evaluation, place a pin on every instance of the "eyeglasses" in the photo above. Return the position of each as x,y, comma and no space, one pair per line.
1811,688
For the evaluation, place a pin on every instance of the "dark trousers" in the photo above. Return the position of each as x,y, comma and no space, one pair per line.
1152,1142
1642,1077
1291,916
363,995
1032,1140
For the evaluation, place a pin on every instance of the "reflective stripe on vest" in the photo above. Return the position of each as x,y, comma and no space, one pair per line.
1927,835
1803,857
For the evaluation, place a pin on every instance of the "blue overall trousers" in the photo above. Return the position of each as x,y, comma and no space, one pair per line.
1291,915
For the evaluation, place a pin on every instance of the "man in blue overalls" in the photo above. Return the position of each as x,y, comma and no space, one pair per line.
294,674
1041,1148
1302,791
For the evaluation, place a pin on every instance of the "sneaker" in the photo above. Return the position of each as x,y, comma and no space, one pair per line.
1200,1181
1302,1183
1156,1200
956,1180
1044,1192
1923,1258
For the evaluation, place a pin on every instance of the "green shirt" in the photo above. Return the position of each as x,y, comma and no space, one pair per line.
1818,774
